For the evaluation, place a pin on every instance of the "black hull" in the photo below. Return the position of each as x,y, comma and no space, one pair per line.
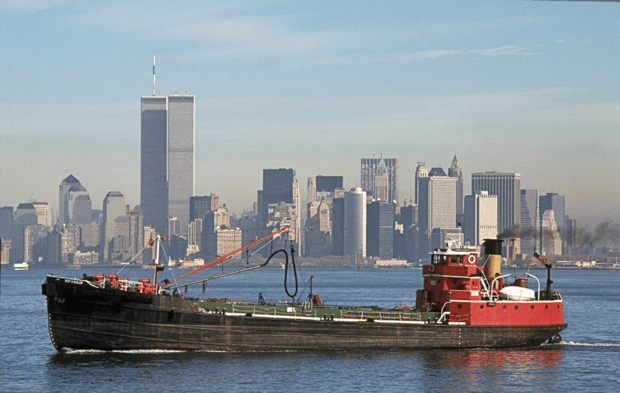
83,317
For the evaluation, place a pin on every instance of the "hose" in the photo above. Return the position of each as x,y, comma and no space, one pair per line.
286,273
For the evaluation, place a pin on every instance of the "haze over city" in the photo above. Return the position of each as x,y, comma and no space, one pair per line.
526,87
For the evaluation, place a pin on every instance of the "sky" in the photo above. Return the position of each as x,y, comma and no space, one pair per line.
514,86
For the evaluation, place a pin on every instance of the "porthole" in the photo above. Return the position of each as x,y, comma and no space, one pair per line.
546,306
516,307
504,307
460,306
532,307
482,306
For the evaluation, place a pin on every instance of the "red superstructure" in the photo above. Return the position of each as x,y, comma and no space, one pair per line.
467,293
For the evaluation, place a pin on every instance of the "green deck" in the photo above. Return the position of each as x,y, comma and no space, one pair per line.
298,310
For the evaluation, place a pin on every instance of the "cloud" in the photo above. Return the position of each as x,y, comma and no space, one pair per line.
509,50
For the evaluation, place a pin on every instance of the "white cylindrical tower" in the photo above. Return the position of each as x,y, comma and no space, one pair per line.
355,222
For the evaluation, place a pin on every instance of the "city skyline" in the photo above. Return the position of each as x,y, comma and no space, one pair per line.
519,87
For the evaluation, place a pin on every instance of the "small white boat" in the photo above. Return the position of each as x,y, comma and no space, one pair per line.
21,266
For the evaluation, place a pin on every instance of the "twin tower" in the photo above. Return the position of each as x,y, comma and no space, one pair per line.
167,164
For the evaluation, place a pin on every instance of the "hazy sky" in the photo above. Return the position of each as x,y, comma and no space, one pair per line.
528,87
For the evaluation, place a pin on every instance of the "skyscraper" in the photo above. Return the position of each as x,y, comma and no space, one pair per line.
154,163
380,229
181,166
277,187
328,183
6,222
369,168
456,171
480,218
280,188
507,187
167,159
355,222
420,172
436,206
114,223
530,221
200,206
382,185
64,188
555,202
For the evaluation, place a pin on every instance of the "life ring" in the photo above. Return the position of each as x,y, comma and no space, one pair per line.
431,268
471,259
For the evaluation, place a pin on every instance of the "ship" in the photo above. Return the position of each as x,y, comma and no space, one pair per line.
465,302
21,266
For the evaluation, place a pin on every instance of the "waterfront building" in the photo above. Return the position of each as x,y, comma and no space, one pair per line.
222,242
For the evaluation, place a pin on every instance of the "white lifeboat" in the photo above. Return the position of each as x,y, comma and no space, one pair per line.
517,294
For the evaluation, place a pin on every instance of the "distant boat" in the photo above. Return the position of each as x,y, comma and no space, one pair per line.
21,266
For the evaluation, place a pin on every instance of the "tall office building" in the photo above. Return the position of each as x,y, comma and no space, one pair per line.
115,224
382,185
355,222
181,166
480,218
551,243
277,187
420,172
436,206
507,187
63,192
28,214
167,159
338,226
6,222
555,202
200,206
456,171
530,221
154,163
380,229
369,168
328,183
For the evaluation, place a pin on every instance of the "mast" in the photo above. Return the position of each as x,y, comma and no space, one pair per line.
153,75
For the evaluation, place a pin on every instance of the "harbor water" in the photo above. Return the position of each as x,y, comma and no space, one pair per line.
587,359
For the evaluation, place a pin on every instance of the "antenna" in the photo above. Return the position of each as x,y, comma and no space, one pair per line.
153,74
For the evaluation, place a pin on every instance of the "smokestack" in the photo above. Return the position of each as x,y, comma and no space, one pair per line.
492,258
